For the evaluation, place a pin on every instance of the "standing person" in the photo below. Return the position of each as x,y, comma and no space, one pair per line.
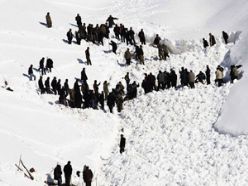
122,144
78,37
111,101
131,35
156,41
68,173
101,100
31,73
41,85
42,68
212,40
78,20
208,75
49,64
127,56
48,20
234,73
57,173
47,86
84,77
219,75
69,35
127,79
225,37
114,46
105,89
110,21
87,54
205,43
54,85
66,87
140,54
142,37
191,79
87,175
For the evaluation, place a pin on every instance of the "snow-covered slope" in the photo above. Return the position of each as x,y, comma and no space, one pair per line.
170,135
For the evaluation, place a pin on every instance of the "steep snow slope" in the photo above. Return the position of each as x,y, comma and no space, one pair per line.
44,133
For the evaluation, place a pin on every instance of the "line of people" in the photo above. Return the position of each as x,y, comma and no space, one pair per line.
57,174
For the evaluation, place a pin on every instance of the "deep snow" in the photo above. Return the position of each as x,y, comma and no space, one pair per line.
172,136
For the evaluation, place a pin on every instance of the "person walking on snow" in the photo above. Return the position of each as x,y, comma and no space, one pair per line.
48,20
122,144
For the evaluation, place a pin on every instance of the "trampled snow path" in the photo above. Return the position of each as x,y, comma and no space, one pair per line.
171,141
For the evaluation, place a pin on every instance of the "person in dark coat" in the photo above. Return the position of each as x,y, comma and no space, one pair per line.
87,175
144,84
131,36
234,73
68,173
140,55
69,35
78,20
42,68
54,85
161,80
142,37
205,43
84,77
200,77
127,56
110,21
117,32
173,78
119,102
49,65
208,75
87,54
191,79
78,95
111,101
122,144
127,79
41,85
101,100
66,87
225,37
57,174
47,86
48,20
114,46
78,37
58,86
212,41
31,73
157,40
96,87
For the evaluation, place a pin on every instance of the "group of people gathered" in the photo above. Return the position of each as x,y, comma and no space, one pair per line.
57,173
82,96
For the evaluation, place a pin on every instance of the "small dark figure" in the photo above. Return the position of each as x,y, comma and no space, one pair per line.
78,20
42,68
58,174
142,37
225,37
69,36
111,101
66,87
131,36
105,89
110,21
31,73
84,77
140,54
117,32
41,85
119,102
87,54
87,175
234,73
114,46
47,86
200,77
68,173
54,85
127,79
208,75
78,37
48,20
101,100
212,41
156,41
205,43
122,144
127,56
96,87
49,64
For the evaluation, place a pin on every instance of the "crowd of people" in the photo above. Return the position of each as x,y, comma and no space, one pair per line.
82,96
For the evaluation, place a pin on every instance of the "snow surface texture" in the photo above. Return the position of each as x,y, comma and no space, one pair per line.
170,135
